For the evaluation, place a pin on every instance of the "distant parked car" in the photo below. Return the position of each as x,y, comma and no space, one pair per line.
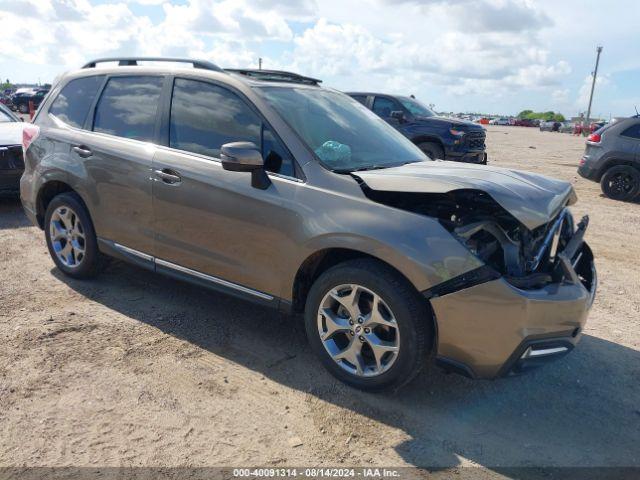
547,125
21,101
501,121
438,137
567,127
612,157
11,160
524,122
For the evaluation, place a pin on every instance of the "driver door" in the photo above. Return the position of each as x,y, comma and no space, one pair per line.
211,223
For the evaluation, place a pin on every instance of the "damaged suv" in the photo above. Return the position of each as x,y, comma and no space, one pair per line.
264,185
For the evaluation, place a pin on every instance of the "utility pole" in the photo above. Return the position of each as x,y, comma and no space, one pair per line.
593,85
260,63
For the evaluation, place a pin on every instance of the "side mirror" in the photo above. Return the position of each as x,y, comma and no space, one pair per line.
398,115
245,157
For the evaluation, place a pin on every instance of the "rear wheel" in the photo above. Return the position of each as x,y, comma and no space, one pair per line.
22,108
70,236
367,324
432,150
621,183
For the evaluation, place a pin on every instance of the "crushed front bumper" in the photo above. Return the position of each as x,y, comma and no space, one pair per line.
495,329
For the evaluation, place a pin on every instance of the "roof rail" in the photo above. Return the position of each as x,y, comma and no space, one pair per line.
275,75
132,61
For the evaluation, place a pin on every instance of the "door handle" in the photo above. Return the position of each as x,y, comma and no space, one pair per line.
168,176
82,151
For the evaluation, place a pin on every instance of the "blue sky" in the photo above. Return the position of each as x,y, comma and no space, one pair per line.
493,56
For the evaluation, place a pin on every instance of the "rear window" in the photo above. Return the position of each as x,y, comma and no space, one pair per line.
73,103
128,107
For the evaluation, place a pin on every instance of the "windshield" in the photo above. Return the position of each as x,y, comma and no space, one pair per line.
344,135
415,107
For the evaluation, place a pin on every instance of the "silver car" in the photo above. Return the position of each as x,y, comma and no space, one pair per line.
264,185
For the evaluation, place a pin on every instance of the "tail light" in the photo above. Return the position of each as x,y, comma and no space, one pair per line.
29,133
594,138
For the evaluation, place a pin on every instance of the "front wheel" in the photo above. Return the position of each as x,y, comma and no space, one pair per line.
22,108
621,183
368,325
432,150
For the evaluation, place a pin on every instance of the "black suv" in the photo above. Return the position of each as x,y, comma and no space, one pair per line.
438,137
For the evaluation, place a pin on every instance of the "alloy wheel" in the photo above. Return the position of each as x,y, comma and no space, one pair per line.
358,330
621,183
67,236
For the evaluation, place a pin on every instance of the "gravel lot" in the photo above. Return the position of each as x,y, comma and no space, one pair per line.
134,369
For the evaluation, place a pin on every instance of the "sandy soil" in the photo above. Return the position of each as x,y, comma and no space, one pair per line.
134,369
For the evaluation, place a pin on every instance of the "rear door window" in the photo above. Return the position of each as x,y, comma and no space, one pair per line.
74,100
128,107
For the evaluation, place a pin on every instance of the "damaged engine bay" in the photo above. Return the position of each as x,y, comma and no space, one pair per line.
527,259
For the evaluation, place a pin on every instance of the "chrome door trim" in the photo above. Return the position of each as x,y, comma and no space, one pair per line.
193,273
212,279
133,252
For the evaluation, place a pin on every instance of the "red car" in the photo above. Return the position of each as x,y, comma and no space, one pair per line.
524,122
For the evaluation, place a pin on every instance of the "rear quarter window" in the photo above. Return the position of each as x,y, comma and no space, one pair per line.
633,131
74,100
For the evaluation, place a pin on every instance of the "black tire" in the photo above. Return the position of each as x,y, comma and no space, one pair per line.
22,108
411,313
621,182
432,150
92,260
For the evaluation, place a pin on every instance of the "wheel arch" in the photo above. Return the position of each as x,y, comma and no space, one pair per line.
418,139
47,192
615,162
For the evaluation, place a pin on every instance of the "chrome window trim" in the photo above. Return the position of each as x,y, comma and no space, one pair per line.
201,156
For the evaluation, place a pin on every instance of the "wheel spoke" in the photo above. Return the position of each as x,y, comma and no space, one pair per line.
349,302
76,245
353,354
375,317
333,324
57,229
380,348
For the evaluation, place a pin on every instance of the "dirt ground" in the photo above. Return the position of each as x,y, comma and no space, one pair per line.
134,369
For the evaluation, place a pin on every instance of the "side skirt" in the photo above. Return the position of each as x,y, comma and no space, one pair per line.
186,274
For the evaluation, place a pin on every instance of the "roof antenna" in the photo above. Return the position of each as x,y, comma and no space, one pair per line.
636,107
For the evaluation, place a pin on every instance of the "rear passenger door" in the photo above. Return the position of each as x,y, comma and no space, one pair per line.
211,223
116,150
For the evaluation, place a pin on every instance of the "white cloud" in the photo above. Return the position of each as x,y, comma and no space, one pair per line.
455,51
582,101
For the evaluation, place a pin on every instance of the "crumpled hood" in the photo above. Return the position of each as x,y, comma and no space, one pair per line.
531,198
11,133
